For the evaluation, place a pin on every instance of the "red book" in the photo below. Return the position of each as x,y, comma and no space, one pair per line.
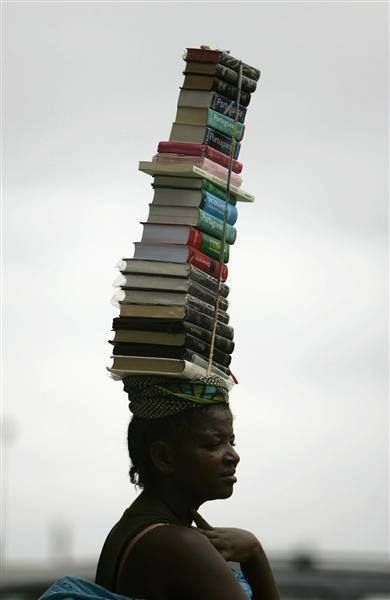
191,149
206,263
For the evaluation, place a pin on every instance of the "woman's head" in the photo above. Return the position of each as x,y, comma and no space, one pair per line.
192,450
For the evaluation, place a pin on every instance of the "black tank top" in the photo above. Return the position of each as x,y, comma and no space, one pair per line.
143,512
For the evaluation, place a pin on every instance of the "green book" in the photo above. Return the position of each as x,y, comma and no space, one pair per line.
192,183
212,247
224,124
213,226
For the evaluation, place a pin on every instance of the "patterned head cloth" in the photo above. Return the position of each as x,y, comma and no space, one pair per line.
155,396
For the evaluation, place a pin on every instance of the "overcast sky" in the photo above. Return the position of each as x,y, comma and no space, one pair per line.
91,88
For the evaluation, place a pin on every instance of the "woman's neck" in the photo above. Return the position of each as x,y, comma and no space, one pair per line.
177,502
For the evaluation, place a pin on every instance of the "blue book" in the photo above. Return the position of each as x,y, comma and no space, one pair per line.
216,206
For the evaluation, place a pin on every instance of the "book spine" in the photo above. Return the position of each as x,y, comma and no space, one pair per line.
201,292
224,124
203,348
207,263
209,186
193,318
195,239
228,107
222,159
217,56
221,142
227,74
230,91
152,350
233,63
207,322
209,310
216,206
214,226
221,343
212,247
208,281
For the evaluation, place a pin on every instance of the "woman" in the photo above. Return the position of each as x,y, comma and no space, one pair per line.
181,445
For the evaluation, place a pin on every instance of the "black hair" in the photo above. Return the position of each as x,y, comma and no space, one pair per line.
143,432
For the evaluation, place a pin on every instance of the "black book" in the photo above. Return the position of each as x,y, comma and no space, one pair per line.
173,325
191,343
162,336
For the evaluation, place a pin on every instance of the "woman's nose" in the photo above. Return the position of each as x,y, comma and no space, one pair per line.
232,456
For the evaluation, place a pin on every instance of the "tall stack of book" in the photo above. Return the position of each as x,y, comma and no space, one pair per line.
167,293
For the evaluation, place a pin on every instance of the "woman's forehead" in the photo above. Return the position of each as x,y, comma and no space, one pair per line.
217,420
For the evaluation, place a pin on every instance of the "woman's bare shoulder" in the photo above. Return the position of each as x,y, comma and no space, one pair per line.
181,562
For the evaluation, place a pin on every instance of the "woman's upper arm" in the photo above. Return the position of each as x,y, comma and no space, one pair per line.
189,565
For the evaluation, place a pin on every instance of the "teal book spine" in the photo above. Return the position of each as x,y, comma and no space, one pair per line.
214,227
225,124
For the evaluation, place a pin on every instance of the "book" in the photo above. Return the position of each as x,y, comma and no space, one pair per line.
210,118
188,369
180,254
175,312
195,199
181,352
191,183
206,244
171,338
169,225
165,282
128,295
191,149
199,99
188,170
202,162
222,72
159,267
222,57
202,134
209,83
190,315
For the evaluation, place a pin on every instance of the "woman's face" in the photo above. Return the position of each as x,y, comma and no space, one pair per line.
205,461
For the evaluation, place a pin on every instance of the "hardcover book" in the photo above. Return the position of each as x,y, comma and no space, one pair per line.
164,297
170,338
188,170
191,318
181,352
210,118
196,199
181,253
211,167
199,99
165,282
190,183
222,57
159,267
201,134
222,72
188,369
174,311
209,83
202,150
170,225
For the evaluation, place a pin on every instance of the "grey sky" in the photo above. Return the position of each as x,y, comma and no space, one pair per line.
91,88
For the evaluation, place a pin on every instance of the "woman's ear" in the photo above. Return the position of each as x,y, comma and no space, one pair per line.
162,456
